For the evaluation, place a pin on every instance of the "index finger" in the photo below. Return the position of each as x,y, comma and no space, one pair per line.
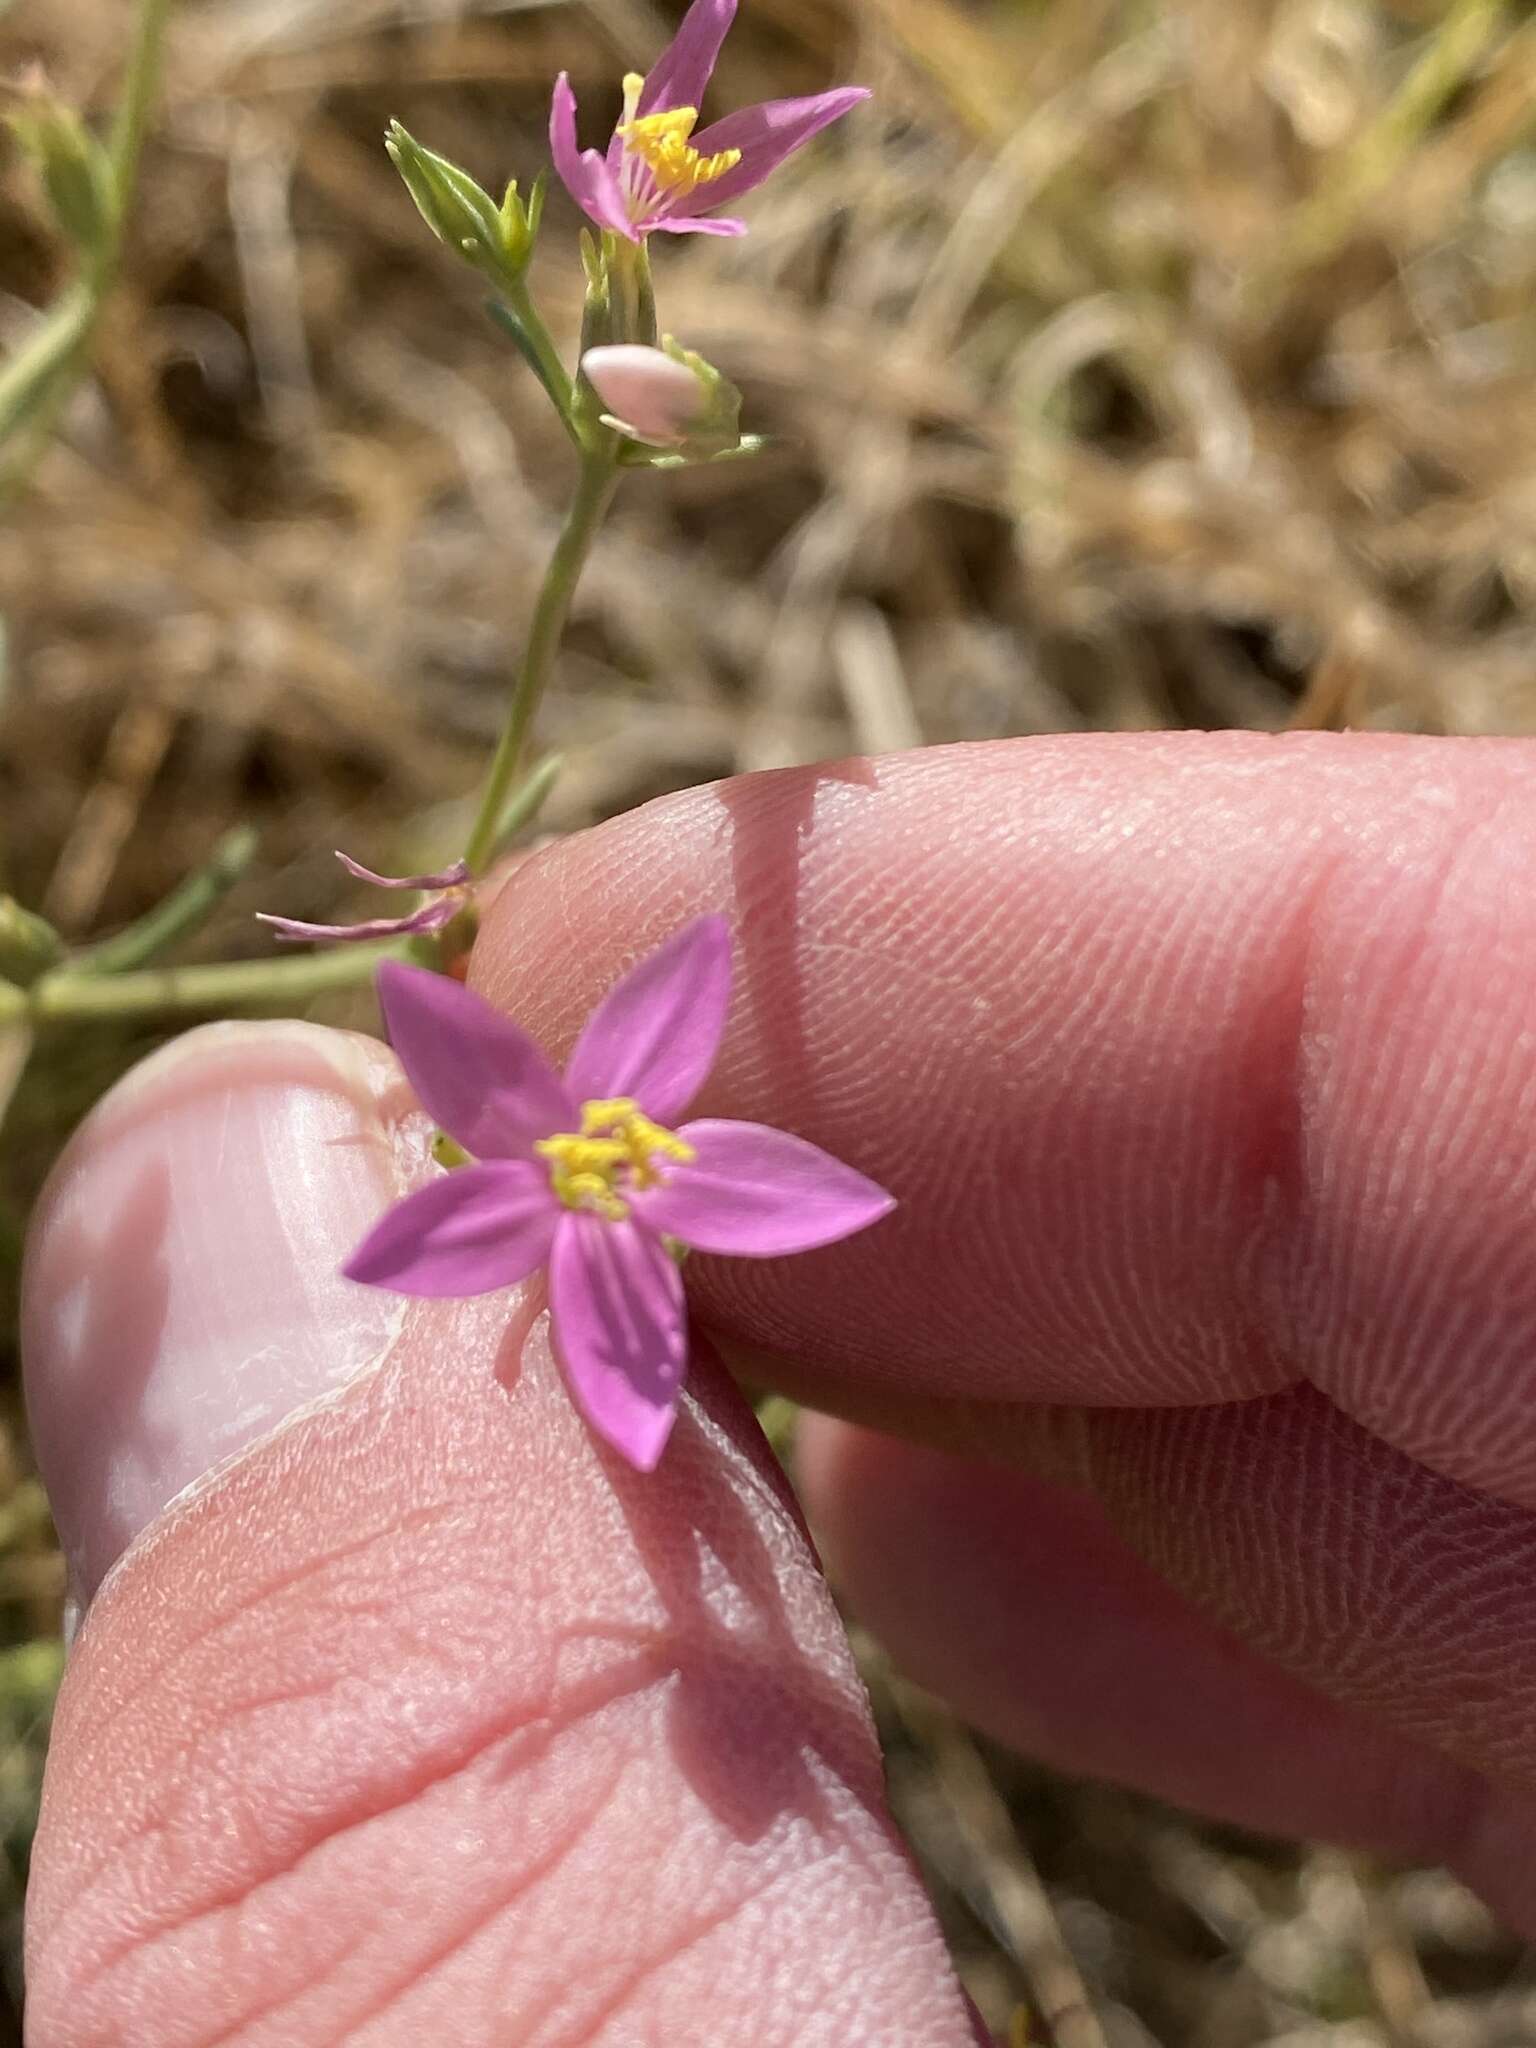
1200,1065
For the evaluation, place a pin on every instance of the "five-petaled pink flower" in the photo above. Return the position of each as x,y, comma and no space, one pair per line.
657,173
586,1174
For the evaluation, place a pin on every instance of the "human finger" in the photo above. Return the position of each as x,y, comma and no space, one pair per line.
416,1715
1200,1064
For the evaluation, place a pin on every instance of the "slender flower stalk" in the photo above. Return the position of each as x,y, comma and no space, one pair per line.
594,493
592,1175
76,996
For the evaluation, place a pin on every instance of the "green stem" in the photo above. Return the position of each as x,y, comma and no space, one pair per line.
189,904
66,996
594,494
556,378
141,86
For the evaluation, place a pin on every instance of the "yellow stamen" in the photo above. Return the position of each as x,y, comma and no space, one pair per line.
661,143
617,1151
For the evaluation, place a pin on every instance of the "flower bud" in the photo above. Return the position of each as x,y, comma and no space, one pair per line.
75,169
29,945
666,397
497,240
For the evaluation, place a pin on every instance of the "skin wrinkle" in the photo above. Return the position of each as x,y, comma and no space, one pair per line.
367,1543
310,1571
1430,1412
525,1882
568,1713
426,1775
1439,1564
613,2004
925,1545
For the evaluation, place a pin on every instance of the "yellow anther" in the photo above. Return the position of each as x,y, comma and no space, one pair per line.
661,143
652,130
615,1151
599,1116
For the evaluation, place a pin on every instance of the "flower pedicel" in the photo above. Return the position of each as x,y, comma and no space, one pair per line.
592,1175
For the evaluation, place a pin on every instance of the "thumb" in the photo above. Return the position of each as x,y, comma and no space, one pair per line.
418,1717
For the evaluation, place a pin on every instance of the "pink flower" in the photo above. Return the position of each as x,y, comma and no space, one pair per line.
657,173
449,889
585,1175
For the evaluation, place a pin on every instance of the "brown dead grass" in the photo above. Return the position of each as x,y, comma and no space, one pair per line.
1130,366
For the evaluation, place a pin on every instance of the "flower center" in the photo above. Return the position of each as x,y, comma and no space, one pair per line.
617,1152
660,142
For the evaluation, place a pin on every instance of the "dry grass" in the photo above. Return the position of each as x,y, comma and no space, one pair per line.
1132,366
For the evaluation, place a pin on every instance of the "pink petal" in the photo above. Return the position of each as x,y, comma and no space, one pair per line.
765,135
616,1301
654,1036
453,877
583,172
471,1232
757,1193
692,224
659,399
430,918
681,73
473,1070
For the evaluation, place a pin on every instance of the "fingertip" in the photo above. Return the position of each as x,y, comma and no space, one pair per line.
182,1288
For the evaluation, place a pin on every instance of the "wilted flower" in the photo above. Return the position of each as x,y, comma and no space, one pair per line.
649,396
657,173
447,888
592,1175
666,397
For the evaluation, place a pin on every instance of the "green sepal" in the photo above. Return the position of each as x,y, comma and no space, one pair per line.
638,457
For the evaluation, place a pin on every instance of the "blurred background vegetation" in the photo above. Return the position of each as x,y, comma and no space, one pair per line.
1130,365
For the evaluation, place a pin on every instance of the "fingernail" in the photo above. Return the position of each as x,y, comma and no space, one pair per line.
180,1294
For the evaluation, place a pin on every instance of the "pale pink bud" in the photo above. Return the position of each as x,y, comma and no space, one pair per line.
646,393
